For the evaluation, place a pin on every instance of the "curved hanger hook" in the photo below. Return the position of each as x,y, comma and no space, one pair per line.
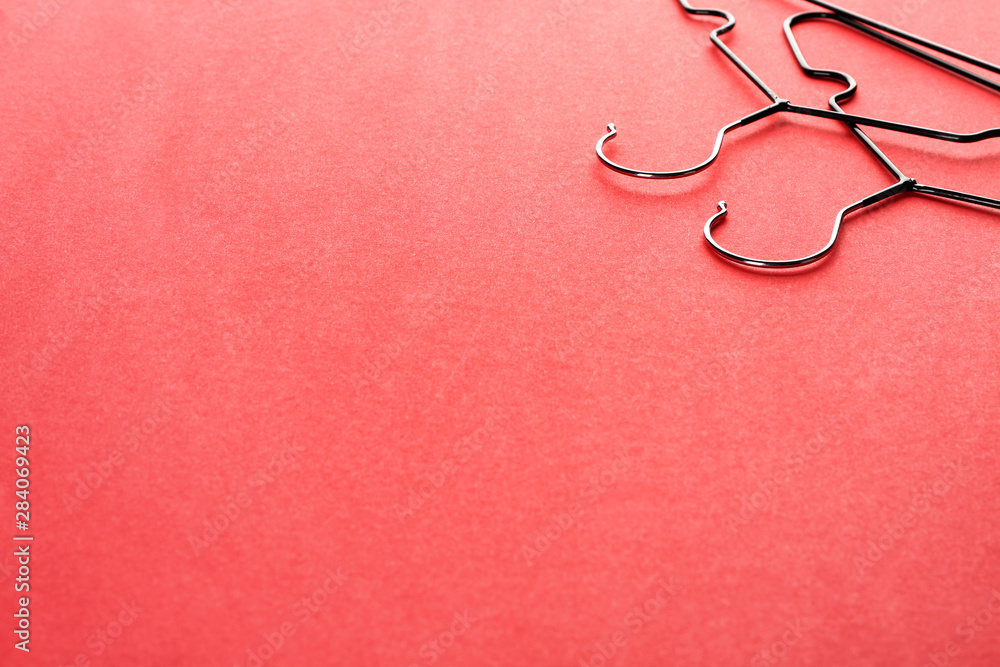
767,111
613,132
717,219
778,107
835,112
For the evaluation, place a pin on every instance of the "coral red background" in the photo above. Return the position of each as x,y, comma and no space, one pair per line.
351,274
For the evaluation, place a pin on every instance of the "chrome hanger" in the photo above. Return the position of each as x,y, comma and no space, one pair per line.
904,184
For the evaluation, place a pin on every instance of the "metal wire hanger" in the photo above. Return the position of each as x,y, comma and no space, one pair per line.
893,36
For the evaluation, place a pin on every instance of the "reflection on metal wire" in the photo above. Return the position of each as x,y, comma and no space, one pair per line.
899,39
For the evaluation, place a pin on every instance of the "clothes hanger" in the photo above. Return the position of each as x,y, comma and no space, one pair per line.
888,34
904,184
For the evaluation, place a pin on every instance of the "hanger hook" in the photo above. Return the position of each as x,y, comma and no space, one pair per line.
901,187
778,106
639,173
871,28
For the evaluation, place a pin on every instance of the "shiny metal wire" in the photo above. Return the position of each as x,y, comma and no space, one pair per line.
902,40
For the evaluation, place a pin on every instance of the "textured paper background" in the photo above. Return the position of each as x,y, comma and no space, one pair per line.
355,267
